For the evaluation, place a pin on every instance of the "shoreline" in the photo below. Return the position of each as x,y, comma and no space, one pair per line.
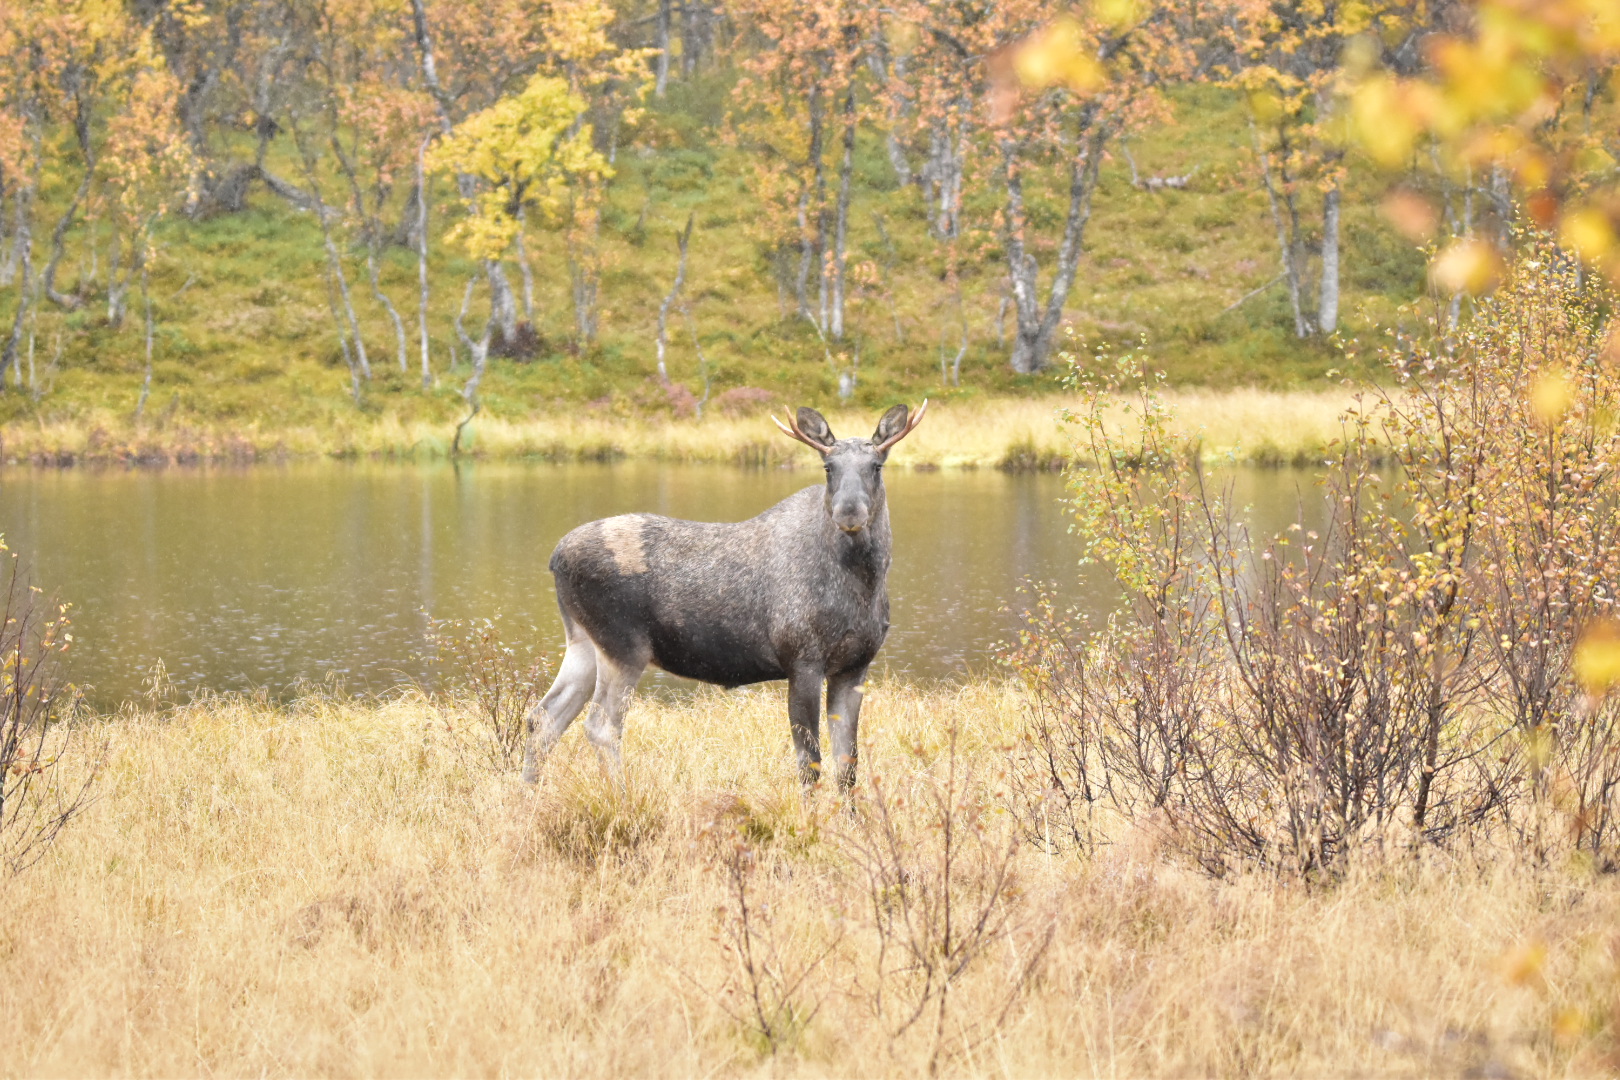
1251,427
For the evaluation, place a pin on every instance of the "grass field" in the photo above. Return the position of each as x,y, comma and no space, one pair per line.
1246,425
339,888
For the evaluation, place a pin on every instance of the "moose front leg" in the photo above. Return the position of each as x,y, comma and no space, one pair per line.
804,716
843,723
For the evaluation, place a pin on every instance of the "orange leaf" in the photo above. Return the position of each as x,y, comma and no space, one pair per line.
1468,265
1413,216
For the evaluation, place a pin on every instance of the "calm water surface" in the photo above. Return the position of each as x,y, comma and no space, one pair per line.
266,576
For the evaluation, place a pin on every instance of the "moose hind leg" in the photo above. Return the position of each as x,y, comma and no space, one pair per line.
604,722
804,717
844,692
569,693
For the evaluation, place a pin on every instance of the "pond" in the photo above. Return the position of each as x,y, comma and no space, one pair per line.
268,576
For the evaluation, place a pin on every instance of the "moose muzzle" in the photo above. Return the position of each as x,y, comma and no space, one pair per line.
851,515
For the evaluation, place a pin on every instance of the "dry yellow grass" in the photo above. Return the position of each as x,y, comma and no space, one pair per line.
1246,425
341,889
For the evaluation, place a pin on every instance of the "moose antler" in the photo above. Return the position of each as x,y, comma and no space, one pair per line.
793,432
911,422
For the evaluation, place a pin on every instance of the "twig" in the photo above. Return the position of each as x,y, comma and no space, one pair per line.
703,361
1156,183
1250,295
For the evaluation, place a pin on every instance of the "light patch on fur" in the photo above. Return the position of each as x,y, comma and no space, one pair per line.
622,535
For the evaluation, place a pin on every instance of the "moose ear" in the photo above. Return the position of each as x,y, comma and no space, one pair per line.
814,427
896,425
890,427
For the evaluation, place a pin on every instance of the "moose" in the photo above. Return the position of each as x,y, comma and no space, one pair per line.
798,593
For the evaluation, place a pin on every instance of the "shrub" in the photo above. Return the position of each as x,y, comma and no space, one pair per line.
500,683
1395,666
43,786
943,889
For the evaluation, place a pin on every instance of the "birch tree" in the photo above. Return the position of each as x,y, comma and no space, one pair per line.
1064,93
529,156
473,55
378,122
1289,52
148,166
811,68
65,67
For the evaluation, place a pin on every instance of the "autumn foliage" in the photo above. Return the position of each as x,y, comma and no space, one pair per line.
493,130
1423,659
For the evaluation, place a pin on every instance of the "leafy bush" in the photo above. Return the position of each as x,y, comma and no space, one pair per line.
1419,657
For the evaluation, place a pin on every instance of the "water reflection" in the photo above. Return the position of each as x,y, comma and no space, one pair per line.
268,575
265,576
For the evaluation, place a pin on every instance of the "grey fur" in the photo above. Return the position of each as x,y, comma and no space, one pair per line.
799,592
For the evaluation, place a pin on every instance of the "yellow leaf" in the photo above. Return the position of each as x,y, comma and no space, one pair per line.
1551,395
1119,13
1596,660
1533,170
1522,966
1381,123
1569,1024
1587,232
1058,55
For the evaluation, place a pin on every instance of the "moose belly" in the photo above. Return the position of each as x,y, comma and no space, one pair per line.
711,654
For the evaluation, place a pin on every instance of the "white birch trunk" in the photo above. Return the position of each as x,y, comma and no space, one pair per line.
1037,324
661,79
422,262
146,302
1327,307
682,239
846,170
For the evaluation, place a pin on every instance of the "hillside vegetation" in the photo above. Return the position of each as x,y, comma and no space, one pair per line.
246,355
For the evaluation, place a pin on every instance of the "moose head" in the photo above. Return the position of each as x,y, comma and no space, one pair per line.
854,466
